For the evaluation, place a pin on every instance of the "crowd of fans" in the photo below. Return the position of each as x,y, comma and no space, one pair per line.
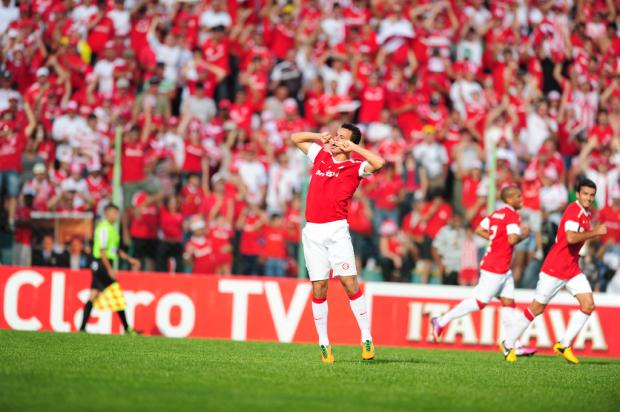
207,92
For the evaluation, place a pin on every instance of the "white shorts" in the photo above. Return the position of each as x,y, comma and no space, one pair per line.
548,286
492,285
328,246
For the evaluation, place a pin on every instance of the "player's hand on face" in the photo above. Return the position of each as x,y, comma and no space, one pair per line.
325,137
345,145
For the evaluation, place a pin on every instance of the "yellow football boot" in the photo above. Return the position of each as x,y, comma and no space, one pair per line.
326,354
368,350
509,354
567,353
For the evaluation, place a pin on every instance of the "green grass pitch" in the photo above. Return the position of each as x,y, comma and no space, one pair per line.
77,372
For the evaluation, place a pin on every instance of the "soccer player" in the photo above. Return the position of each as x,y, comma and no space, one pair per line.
325,238
561,269
503,230
105,252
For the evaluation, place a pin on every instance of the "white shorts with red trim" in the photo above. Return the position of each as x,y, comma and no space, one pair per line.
549,286
328,246
492,285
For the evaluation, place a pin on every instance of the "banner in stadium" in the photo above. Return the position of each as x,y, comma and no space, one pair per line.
255,308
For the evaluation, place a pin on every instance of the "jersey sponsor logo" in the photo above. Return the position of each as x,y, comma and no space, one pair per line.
499,216
329,173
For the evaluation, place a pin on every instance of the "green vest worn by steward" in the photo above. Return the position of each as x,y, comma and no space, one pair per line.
108,238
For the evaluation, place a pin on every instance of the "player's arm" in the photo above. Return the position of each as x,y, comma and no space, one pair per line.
374,162
516,234
303,140
483,229
573,236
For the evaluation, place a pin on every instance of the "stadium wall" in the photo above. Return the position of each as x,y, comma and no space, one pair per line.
269,309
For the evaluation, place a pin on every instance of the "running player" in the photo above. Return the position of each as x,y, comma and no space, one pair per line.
561,269
503,229
325,238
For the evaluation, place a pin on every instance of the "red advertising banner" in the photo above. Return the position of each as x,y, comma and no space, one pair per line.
253,308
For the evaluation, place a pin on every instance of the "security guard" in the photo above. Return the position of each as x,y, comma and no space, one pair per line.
105,252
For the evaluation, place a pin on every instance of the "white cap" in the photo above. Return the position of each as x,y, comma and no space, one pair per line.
197,225
39,168
551,173
68,185
43,71
64,153
388,228
476,164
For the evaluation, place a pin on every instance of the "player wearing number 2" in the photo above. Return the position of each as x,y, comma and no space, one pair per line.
503,230
561,269
325,238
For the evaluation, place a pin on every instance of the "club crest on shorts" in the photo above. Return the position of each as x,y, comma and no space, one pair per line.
345,266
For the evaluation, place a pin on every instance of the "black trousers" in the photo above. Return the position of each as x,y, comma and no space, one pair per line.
167,250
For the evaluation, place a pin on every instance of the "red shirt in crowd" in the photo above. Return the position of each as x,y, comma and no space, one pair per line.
293,222
11,148
100,34
194,153
221,236
531,193
610,216
358,218
387,192
250,243
200,250
145,225
373,101
438,220
132,162
191,199
275,242
171,225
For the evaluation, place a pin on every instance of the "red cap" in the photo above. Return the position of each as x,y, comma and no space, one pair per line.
173,121
72,106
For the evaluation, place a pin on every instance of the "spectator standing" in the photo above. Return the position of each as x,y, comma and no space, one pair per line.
12,144
433,158
198,251
143,230
274,250
395,259
448,250
360,225
250,224
170,246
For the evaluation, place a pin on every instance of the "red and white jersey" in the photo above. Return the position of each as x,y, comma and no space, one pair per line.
501,223
200,249
332,186
562,261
